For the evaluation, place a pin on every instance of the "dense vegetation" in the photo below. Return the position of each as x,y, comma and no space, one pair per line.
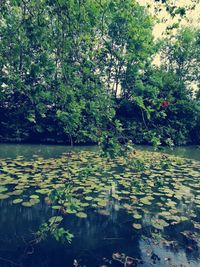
81,72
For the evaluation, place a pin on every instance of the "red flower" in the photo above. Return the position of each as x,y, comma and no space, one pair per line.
165,104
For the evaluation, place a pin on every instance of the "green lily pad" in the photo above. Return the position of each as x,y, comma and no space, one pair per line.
34,196
56,207
3,189
81,214
17,200
71,211
145,200
55,219
159,223
137,216
27,204
137,226
4,196
88,198
102,203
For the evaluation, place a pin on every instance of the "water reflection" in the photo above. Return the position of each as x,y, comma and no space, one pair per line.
108,229
192,152
96,239
47,151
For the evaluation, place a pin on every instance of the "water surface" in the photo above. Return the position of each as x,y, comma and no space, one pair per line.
46,151
118,202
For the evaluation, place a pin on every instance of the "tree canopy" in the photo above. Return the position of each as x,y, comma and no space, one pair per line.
79,71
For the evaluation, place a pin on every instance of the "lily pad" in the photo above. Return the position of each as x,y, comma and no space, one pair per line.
137,226
27,204
81,214
34,196
137,216
17,200
55,219
159,223
4,196
88,198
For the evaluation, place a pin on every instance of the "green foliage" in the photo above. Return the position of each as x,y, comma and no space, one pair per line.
146,119
109,142
181,54
175,9
81,72
50,86
59,233
139,164
166,162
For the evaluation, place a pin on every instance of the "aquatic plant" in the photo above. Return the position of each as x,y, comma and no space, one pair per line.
152,188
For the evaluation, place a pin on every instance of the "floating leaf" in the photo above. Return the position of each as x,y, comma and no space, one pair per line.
34,196
81,214
27,204
56,207
17,200
5,196
159,223
102,203
137,226
88,198
137,216
3,189
55,219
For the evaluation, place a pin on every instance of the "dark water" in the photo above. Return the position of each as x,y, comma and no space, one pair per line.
96,238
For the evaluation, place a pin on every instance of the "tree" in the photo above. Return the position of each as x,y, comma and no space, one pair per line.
127,45
181,54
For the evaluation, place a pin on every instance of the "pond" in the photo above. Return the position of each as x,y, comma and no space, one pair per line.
138,210
47,151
